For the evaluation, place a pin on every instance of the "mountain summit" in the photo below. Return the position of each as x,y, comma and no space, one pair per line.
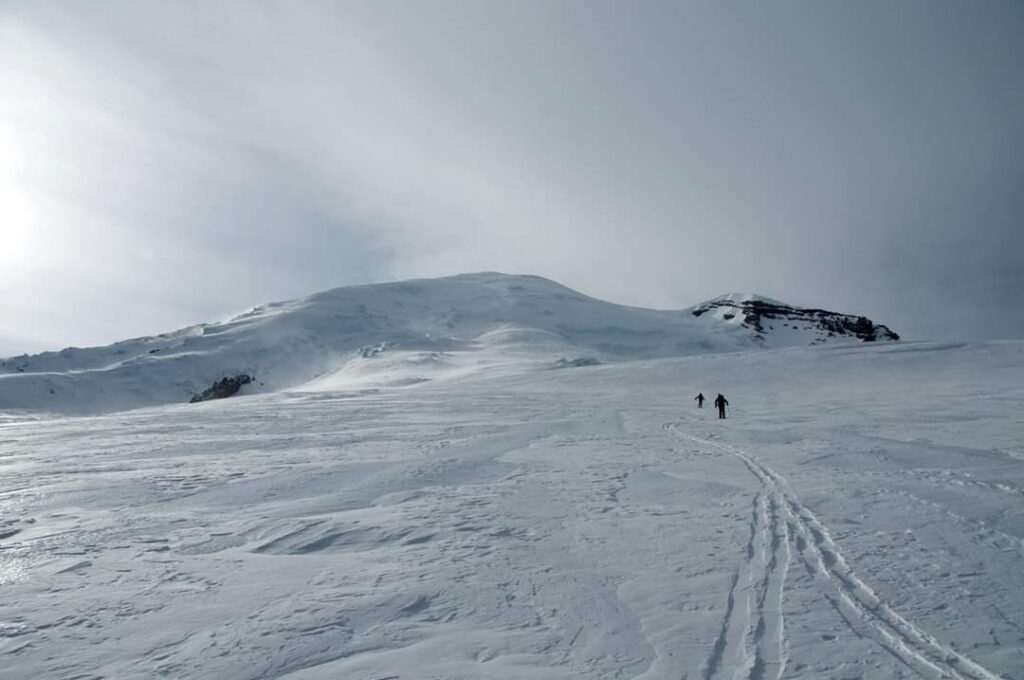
404,333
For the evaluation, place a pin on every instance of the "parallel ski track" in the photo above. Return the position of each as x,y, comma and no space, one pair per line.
780,523
751,644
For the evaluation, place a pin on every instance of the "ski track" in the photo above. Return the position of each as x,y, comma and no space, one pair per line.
752,644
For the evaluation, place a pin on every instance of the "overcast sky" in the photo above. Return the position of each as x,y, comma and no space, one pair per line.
163,163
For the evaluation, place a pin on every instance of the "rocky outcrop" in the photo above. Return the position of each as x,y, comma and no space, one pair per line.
762,316
225,387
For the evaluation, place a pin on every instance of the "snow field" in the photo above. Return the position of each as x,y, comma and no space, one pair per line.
860,514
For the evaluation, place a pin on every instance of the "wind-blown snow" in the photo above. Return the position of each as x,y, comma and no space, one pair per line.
400,333
859,515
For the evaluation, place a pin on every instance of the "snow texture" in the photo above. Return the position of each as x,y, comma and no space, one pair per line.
860,514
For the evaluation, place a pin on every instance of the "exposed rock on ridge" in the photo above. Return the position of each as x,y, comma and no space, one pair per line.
762,316
225,387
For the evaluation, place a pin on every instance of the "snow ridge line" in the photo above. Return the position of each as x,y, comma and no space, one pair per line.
858,604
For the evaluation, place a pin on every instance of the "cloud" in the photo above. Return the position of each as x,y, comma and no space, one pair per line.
176,163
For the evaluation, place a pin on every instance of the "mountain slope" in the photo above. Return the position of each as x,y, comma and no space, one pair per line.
386,334
859,515
775,323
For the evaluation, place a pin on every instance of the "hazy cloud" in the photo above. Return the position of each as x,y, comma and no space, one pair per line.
167,163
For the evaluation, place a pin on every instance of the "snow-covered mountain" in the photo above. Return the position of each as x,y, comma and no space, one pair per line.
405,333
858,514
778,324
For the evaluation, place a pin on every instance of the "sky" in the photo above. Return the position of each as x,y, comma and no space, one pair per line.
163,164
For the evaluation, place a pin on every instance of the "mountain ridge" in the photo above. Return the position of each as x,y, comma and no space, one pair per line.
400,333
756,312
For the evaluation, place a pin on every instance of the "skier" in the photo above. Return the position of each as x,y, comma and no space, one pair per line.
700,399
721,402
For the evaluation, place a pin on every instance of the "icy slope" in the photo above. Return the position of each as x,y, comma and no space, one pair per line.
387,334
860,515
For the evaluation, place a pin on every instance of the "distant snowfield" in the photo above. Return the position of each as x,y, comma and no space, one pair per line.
860,515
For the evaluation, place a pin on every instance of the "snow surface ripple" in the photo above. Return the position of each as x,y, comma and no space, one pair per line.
859,515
